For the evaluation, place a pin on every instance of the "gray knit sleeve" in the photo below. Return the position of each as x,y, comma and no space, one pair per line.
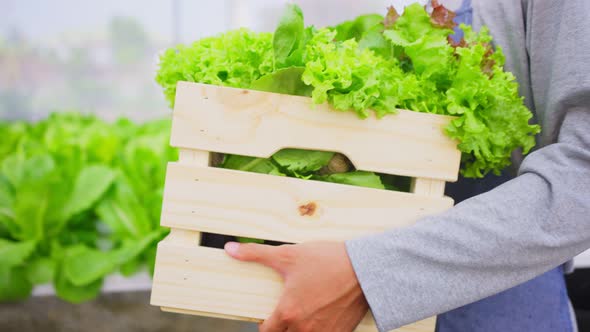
519,230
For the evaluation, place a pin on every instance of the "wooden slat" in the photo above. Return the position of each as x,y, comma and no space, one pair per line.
189,158
284,209
209,314
428,187
184,236
206,281
194,157
366,325
254,123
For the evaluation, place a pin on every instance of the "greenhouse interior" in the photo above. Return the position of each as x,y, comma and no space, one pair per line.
91,166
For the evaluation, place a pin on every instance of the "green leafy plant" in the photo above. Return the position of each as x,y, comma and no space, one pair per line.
374,65
79,200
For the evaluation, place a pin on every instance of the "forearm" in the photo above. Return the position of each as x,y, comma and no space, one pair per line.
486,244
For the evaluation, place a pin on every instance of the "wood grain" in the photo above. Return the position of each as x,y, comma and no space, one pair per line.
189,158
428,187
208,119
205,281
367,325
253,123
269,207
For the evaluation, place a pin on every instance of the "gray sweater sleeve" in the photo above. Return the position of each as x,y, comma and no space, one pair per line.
521,229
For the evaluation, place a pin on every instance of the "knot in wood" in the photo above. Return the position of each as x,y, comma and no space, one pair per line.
308,209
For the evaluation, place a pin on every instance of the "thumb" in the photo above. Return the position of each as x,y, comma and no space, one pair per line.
252,252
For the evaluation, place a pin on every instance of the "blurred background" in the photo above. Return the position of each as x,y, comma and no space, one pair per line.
100,58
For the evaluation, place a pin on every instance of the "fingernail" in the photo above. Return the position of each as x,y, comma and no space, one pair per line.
232,248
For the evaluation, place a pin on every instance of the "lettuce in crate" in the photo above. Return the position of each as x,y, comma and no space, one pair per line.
373,66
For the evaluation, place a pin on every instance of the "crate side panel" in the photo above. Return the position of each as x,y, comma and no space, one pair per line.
366,325
205,281
284,209
255,123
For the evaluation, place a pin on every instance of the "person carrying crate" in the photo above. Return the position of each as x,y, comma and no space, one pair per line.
495,262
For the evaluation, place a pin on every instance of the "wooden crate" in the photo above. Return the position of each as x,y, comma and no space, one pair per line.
199,198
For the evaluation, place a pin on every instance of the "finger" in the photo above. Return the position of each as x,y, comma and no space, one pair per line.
252,252
273,324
